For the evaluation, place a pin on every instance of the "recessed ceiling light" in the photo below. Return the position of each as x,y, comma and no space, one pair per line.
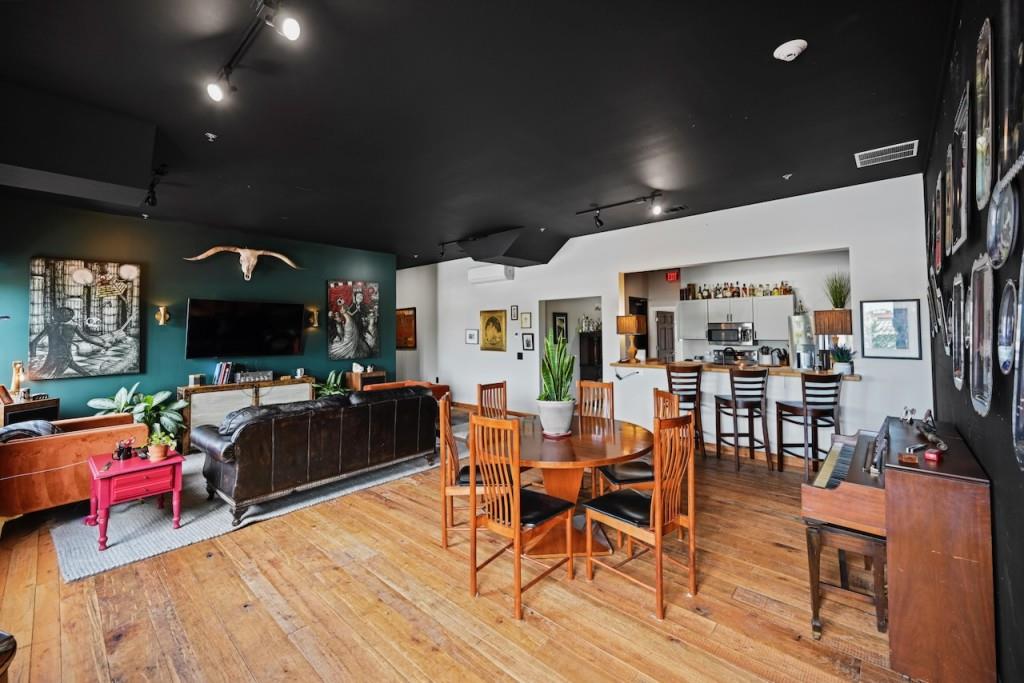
543,229
790,50
415,255
787,176
210,137
145,216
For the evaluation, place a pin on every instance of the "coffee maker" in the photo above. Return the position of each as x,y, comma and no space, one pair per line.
801,341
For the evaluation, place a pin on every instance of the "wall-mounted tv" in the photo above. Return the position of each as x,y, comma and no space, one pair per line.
222,329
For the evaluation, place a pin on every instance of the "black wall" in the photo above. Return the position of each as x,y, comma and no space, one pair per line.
989,437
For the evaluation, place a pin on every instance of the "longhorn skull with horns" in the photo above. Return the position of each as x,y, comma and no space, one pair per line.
247,257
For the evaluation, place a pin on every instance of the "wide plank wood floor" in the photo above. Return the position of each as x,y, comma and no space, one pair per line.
358,589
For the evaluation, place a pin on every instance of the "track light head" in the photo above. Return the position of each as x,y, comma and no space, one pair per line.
598,223
282,22
220,89
215,91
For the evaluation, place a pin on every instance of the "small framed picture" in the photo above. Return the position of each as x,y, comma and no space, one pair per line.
528,341
560,324
525,320
513,312
892,328
472,336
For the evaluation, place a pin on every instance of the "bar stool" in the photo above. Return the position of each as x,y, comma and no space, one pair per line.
684,382
818,409
748,400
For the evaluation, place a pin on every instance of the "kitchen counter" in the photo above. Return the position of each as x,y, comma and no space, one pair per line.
779,371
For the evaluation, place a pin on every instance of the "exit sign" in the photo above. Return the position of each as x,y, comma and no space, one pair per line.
671,276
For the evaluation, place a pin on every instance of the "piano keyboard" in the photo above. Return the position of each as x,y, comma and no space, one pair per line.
836,466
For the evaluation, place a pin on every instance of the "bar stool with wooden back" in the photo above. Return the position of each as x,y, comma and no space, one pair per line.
819,409
595,399
748,399
454,479
492,400
639,473
684,382
649,519
505,508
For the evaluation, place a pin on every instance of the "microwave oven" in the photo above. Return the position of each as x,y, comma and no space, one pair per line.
731,333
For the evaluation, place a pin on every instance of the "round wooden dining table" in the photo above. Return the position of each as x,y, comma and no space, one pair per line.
594,442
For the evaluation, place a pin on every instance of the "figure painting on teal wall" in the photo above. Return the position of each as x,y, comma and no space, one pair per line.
354,317
84,318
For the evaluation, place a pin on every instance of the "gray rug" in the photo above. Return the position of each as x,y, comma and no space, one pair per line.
139,530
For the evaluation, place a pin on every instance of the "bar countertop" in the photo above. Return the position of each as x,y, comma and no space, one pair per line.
780,371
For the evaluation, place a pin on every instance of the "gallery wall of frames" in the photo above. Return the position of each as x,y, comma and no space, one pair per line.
973,187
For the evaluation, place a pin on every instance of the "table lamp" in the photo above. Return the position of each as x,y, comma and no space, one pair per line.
631,325
828,325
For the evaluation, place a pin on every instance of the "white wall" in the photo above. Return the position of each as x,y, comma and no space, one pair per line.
881,224
575,309
418,287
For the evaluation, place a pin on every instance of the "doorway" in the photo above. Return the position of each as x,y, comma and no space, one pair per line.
580,319
665,329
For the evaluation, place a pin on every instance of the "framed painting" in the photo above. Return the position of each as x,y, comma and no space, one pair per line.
528,341
560,325
494,330
513,312
353,317
84,318
405,328
472,336
525,320
890,328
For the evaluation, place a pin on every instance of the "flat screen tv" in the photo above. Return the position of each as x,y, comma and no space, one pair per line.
224,329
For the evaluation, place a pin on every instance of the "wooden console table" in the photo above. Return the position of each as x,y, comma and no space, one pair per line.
21,411
356,381
209,404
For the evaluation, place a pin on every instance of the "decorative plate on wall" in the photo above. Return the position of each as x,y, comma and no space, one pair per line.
962,164
948,213
968,312
983,152
937,211
1006,329
940,310
958,331
981,333
1017,407
1001,231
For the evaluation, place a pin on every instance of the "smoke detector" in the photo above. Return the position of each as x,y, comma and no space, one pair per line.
790,50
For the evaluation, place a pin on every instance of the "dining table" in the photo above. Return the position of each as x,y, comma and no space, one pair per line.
562,460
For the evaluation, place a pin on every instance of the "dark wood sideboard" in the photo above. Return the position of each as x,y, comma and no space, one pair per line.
22,411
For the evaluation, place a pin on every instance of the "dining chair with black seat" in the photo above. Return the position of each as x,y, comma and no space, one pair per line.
818,409
747,400
454,478
504,507
684,381
648,519
639,473
492,400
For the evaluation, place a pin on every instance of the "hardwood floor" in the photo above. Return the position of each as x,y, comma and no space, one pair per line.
358,589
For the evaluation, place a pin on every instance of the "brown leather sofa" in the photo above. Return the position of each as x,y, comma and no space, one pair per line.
261,453
438,390
46,471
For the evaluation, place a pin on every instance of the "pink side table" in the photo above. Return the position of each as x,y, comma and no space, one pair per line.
120,481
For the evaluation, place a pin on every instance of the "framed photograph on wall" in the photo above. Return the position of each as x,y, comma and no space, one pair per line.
528,341
494,330
472,336
890,328
405,328
525,320
560,325
513,312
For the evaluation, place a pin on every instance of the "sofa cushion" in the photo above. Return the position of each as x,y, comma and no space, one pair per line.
358,398
27,430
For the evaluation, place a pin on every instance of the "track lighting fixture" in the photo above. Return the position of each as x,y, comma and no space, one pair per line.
656,207
598,223
158,173
653,200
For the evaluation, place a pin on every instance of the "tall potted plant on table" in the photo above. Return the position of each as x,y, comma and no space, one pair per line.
555,403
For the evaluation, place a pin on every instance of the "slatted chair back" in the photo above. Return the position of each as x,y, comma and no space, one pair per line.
596,399
684,381
666,404
449,448
821,391
748,386
673,463
494,458
492,400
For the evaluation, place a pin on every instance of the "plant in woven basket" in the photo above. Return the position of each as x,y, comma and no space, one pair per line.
837,289
556,369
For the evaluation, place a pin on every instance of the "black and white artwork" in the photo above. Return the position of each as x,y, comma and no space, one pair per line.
84,318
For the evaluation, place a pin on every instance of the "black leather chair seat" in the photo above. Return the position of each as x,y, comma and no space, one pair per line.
464,477
536,508
636,472
627,505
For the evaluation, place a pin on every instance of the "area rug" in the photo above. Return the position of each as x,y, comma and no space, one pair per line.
139,530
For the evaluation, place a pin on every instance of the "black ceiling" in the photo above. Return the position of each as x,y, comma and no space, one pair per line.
397,124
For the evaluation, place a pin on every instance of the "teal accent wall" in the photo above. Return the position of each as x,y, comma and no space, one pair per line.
34,228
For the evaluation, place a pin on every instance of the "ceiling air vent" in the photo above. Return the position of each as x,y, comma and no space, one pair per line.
883,155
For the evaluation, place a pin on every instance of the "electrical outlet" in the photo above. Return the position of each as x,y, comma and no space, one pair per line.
519,355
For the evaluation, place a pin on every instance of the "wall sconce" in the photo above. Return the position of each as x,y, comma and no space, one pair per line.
17,376
162,316
314,317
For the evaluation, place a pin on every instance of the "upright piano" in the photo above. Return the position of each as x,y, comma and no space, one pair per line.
937,522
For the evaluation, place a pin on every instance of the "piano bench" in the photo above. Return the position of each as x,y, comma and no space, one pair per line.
820,536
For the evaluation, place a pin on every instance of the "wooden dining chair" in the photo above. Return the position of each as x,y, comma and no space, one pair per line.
684,380
492,400
747,401
454,478
648,520
595,399
503,507
638,474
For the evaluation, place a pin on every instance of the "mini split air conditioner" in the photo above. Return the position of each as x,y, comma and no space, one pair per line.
491,273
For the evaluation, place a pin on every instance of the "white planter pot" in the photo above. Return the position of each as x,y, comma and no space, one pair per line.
556,416
843,368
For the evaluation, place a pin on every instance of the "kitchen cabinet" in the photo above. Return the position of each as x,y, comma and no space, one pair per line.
692,317
738,310
719,310
771,317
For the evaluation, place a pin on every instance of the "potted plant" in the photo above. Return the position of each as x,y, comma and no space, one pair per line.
837,289
159,442
555,403
333,385
153,410
842,359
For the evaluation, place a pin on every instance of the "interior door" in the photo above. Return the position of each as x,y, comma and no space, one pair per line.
638,306
665,325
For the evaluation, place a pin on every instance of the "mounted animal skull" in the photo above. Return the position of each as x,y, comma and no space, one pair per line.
247,257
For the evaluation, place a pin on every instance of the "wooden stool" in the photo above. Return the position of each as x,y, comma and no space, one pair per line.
749,391
684,382
819,409
871,547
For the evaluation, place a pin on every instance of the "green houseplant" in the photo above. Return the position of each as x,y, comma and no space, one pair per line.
837,289
842,359
159,442
153,410
555,403
333,385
